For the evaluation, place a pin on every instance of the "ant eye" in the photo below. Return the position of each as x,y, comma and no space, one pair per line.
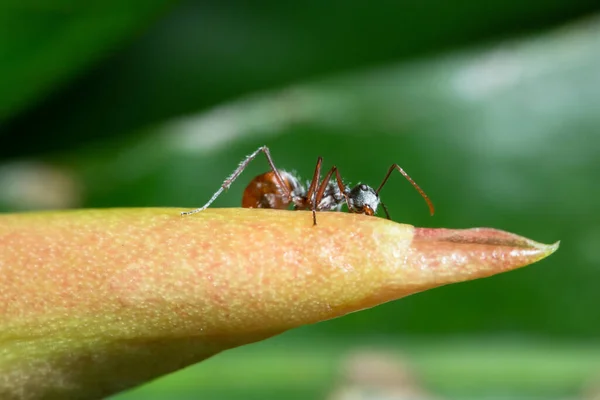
363,187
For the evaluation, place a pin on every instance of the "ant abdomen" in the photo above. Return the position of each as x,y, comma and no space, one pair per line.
264,191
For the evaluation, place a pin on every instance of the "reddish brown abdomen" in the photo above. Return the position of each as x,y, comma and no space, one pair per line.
264,191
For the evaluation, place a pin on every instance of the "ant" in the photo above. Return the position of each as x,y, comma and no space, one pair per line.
278,189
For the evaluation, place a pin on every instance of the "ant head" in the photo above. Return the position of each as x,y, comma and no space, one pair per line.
363,199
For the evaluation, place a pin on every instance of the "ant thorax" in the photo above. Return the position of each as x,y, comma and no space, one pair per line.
363,199
332,199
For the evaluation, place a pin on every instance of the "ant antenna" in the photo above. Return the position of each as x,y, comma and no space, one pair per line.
421,192
237,173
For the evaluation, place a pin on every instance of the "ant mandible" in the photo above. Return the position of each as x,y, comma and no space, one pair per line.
278,189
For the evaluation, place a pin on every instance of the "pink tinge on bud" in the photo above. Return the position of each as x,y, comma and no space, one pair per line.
455,255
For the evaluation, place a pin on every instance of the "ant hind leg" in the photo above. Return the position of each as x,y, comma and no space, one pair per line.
227,183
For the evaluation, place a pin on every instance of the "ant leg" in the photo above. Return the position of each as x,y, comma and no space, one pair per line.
315,180
387,214
325,182
421,192
341,186
227,183
310,194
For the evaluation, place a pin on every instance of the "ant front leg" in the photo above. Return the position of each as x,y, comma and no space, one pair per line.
227,183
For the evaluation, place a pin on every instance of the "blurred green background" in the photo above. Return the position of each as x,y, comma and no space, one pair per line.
492,107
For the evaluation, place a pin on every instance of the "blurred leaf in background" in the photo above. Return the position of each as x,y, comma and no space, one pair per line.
492,107
44,44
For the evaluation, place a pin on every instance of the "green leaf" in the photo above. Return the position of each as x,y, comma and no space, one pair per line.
208,52
44,44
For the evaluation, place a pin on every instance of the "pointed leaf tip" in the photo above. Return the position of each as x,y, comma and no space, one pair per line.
458,254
